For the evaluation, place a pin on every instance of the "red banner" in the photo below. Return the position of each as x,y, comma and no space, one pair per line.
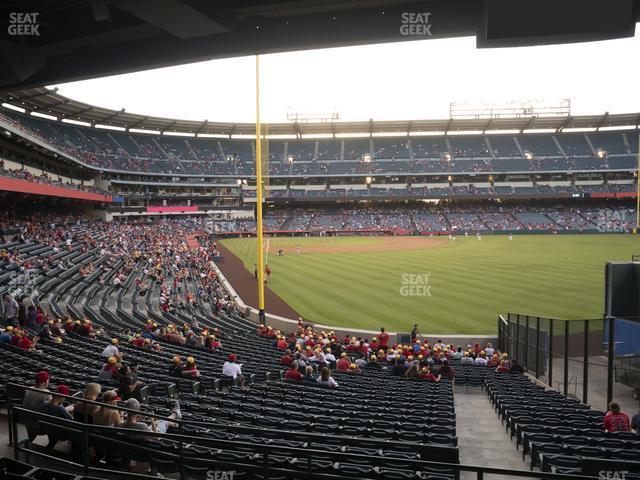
23,186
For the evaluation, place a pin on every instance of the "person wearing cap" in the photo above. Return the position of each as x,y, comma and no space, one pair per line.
7,335
286,359
106,414
111,350
425,374
329,357
34,400
190,369
234,370
176,366
344,363
109,370
55,408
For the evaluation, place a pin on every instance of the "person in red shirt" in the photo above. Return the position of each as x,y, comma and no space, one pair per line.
286,359
383,338
374,345
426,374
293,373
138,341
502,368
615,420
190,369
281,344
25,343
343,363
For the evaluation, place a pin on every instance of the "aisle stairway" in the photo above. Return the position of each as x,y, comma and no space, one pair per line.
482,439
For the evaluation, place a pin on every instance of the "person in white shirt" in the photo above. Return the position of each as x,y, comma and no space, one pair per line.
329,357
111,350
489,350
234,370
325,379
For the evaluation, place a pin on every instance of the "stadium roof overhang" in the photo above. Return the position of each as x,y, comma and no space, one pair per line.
48,102
47,43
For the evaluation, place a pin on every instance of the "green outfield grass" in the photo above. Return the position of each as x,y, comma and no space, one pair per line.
471,281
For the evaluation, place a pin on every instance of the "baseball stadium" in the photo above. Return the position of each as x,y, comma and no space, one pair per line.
448,289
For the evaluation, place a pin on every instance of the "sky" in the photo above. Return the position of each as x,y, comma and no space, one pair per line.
396,81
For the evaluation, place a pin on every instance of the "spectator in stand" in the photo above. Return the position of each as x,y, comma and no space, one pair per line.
293,373
516,367
344,363
615,420
190,369
234,370
84,412
176,366
109,370
383,338
55,408
466,359
308,376
112,350
156,426
502,368
107,415
286,359
10,310
36,400
326,380
481,359
447,371
635,423
425,374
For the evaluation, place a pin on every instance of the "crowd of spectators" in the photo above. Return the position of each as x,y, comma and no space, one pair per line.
44,178
438,219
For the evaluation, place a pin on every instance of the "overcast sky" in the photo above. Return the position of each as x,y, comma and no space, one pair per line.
401,81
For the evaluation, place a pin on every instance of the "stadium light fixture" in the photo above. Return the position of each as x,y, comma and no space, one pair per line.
620,127
211,135
453,133
14,107
352,135
446,157
368,180
110,127
450,179
528,155
539,130
389,134
229,158
503,131
141,130
178,134
290,159
602,153
76,122
578,129
43,115
366,158
434,133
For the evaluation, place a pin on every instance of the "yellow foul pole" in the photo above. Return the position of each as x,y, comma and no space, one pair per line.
259,198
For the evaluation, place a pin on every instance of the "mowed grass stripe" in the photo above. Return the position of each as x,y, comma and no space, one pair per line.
471,281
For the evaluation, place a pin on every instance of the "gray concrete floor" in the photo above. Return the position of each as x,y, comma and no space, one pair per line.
482,439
